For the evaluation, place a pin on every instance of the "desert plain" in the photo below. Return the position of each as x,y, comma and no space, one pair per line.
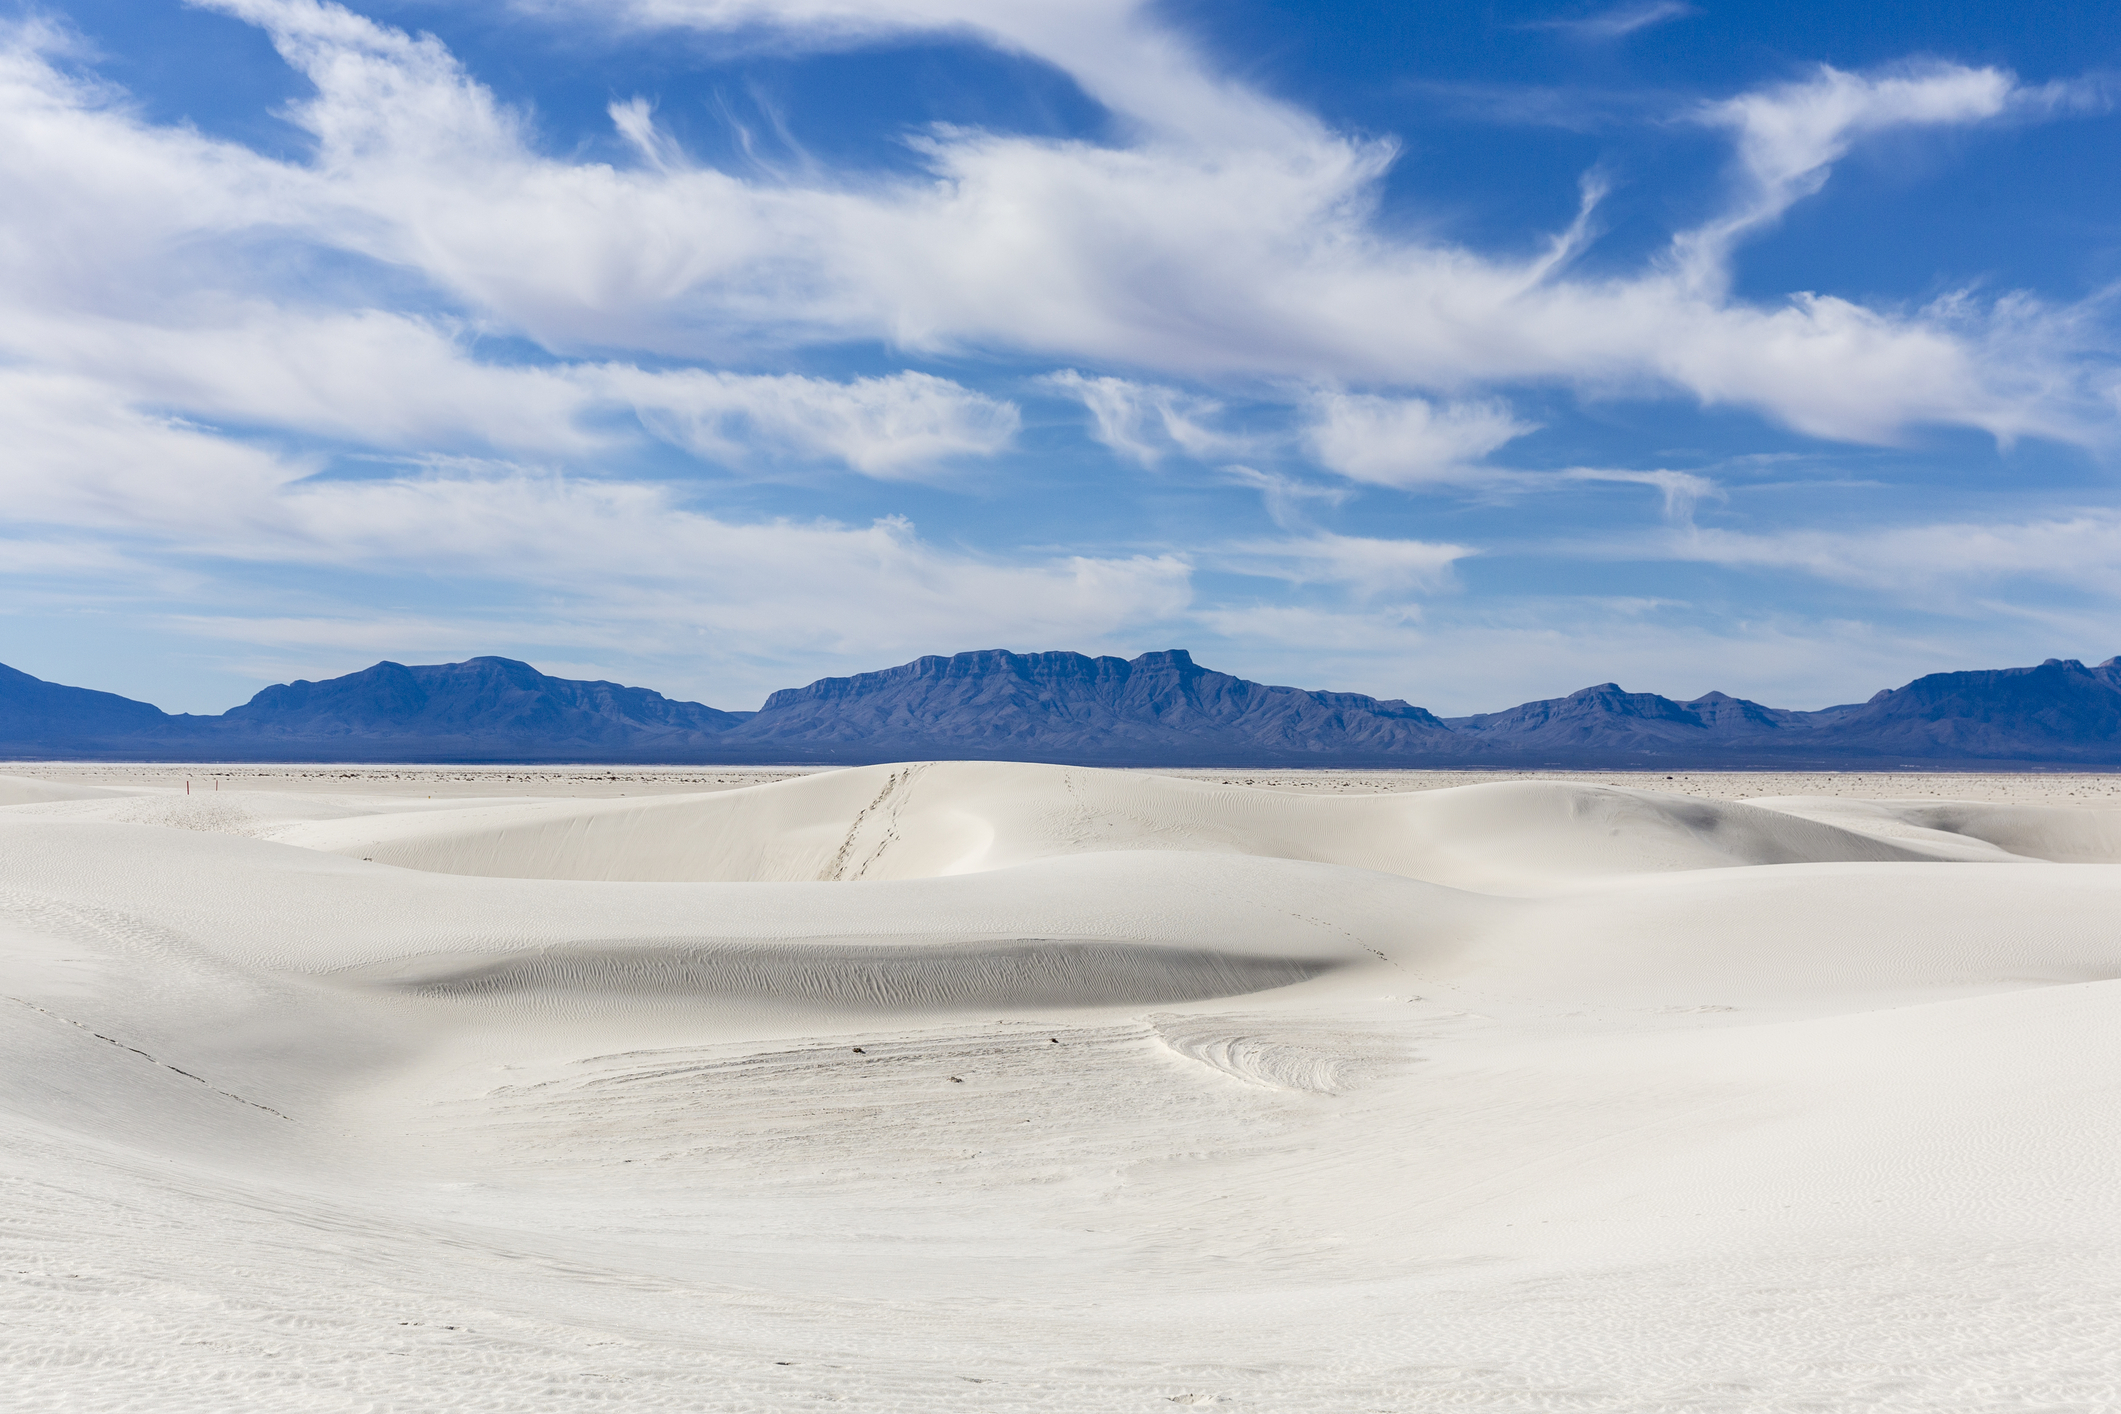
970,1086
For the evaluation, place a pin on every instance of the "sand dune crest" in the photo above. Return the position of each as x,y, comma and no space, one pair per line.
941,818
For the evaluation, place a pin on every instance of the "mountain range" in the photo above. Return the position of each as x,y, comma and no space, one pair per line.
1158,709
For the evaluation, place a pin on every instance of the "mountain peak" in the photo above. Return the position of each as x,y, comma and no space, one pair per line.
1160,708
479,703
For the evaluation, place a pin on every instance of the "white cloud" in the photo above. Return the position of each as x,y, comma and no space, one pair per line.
1284,497
635,120
1368,567
368,377
891,427
1114,48
1147,422
76,557
1233,241
165,492
620,551
390,381
1406,441
2082,551
1682,490
1789,136
155,286
1619,21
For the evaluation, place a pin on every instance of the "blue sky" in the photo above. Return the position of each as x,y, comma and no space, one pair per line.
1465,353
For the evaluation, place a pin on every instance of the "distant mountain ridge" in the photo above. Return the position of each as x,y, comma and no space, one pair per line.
482,709
476,701
1157,709
1606,717
1009,705
33,710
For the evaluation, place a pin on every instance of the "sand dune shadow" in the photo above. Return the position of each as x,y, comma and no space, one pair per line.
868,975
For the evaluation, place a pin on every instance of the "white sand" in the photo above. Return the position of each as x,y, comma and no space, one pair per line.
389,1088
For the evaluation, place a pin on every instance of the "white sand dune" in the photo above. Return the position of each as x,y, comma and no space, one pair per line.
934,819
993,1087
1971,829
23,790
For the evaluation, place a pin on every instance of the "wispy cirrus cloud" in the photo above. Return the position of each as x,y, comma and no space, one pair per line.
2081,550
1368,567
1788,137
635,121
1399,442
1236,243
160,494
1617,22
1147,422
511,327
901,426
400,382
1682,490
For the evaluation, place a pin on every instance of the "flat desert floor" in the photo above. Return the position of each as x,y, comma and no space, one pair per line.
961,1086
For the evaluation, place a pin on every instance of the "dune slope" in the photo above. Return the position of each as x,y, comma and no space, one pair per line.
941,818
990,1087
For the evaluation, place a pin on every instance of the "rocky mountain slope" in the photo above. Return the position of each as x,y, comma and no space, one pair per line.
1158,709
1065,706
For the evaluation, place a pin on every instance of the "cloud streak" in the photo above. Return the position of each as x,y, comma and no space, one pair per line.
1235,245
1789,136
1618,22
2081,551
1368,567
